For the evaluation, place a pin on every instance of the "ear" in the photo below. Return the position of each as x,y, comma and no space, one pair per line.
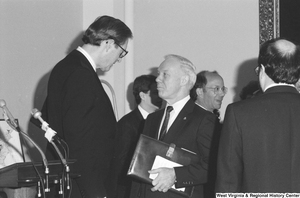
184,80
109,43
142,95
262,72
262,68
199,92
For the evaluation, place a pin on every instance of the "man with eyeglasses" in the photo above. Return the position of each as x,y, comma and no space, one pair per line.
78,108
208,92
259,149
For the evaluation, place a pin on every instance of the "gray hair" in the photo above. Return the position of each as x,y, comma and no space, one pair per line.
187,67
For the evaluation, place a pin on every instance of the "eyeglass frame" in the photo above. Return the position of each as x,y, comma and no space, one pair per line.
257,69
125,51
216,90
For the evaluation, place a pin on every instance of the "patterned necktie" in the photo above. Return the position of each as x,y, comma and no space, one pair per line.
217,113
164,127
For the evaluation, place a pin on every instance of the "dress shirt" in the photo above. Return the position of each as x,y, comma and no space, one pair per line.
143,112
279,84
80,49
176,110
202,107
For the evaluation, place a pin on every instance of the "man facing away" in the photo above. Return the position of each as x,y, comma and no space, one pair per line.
208,92
259,146
189,127
129,127
78,108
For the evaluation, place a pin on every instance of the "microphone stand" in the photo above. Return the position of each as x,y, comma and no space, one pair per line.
50,135
45,161
12,123
67,169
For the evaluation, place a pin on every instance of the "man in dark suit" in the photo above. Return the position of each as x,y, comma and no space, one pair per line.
259,146
208,92
129,128
78,108
189,127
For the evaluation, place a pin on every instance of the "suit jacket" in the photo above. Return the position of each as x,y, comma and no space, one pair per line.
192,130
129,128
79,110
259,146
209,187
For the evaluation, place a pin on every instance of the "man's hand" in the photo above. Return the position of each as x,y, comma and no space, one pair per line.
165,179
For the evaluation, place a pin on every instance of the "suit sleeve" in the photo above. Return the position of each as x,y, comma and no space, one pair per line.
196,173
126,141
230,164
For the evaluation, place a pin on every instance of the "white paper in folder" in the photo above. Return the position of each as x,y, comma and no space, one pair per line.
163,162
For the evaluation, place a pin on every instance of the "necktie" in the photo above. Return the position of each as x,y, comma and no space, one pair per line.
217,113
164,126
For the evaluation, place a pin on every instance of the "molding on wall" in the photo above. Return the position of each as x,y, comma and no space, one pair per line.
129,60
268,20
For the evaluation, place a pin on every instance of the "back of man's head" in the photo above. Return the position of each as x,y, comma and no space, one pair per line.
281,60
107,27
142,84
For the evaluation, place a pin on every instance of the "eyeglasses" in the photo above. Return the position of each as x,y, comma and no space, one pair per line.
257,69
217,90
124,52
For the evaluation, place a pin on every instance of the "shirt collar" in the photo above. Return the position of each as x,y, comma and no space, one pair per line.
202,107
278,84
143,112
177,106
80,49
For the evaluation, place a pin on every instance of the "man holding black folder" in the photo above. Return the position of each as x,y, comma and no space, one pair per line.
187,126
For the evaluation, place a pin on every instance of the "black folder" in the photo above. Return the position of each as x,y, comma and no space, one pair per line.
149,149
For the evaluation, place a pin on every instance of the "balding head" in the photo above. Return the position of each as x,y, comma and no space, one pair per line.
281,60
285,47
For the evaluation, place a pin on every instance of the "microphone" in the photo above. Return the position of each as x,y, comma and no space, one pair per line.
9,115
50,135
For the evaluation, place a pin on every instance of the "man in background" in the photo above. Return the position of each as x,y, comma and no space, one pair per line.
78,108
208,92
129,129
189,127
259,146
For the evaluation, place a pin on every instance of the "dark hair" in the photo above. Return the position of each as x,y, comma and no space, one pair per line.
282,64
201,81
106,27
142,84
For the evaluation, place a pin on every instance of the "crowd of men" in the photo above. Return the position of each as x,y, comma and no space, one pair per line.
255,149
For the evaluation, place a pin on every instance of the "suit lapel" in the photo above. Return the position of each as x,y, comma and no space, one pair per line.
179,123
156,122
